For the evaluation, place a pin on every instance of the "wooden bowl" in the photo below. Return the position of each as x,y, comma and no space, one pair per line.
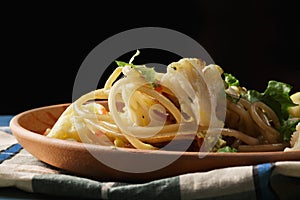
127,165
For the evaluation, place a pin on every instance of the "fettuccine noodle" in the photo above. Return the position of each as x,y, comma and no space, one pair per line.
145,109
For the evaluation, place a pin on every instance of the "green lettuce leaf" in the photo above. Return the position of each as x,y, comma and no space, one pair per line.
231,80
227,149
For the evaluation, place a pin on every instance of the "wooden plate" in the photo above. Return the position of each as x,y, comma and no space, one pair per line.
121,164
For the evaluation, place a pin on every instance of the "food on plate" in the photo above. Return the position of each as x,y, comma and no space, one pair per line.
190,104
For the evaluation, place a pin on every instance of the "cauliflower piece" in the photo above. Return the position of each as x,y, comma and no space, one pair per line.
65,128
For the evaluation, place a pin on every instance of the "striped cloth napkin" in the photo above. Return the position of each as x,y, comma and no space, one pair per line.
19,169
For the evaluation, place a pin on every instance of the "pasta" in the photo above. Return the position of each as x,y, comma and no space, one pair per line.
192,104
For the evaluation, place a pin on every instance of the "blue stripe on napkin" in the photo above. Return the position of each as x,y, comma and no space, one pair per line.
9,152
6,130
262,173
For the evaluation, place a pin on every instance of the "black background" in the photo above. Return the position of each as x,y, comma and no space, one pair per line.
44,44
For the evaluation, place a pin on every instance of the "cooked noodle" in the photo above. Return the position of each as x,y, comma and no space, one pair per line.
144,113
